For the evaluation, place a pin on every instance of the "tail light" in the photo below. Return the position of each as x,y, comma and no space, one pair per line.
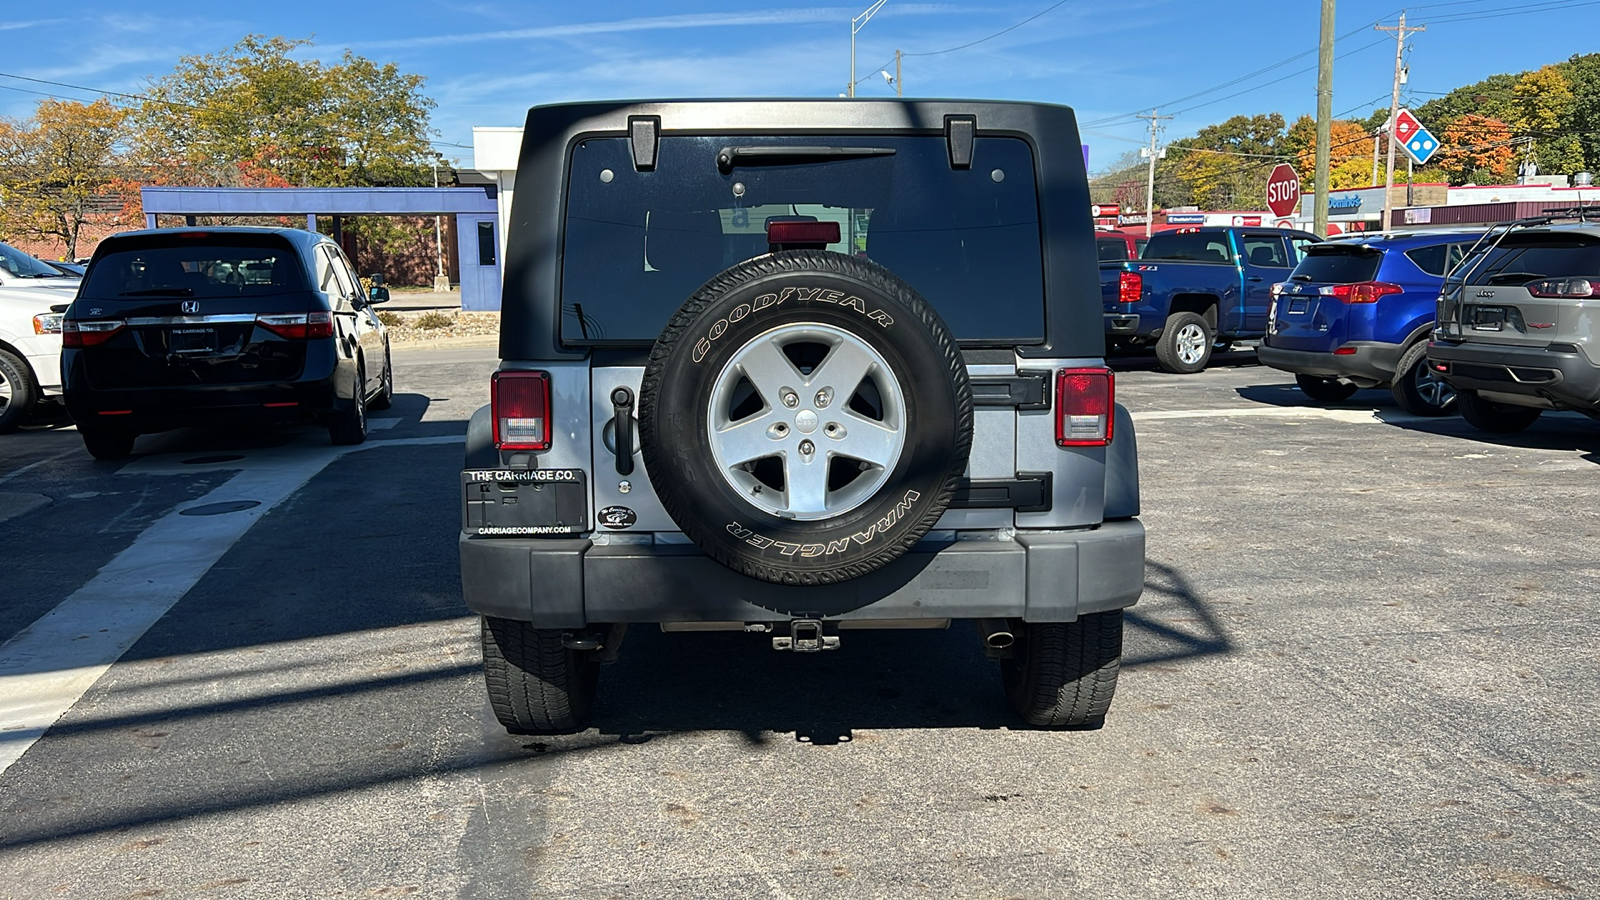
1561,288
1277,288
1360,291
821,233
1130,287
1084,407
77,335
47,323
520,404
299,326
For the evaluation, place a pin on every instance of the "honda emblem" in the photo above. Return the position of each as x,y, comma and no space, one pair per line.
190,306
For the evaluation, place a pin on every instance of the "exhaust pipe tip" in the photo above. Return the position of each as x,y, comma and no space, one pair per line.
999,640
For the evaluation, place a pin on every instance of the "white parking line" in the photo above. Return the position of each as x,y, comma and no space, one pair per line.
1369,416
47,667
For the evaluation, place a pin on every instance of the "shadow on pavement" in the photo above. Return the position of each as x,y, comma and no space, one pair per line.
372,728
1128,361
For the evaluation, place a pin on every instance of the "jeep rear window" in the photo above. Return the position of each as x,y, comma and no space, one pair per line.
637,244
176,266
1335,264
1520,259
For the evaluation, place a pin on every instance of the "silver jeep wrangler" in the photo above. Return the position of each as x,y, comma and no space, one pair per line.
793,368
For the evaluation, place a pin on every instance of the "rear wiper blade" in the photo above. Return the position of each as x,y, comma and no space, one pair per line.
160,292
1300,278
728,157
1513,277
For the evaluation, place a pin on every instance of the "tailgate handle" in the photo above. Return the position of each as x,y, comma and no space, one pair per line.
622,428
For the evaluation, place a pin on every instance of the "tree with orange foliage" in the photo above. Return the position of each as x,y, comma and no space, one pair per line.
1349,156
60,167
1476,149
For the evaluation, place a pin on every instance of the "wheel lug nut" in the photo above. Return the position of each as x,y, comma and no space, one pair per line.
807,449
790,398
824,397
777,431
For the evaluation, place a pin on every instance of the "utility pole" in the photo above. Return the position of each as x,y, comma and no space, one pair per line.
1152,153
1394,109
1375,135
899,86
1319,207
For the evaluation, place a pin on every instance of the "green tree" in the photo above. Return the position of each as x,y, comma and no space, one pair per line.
1494,97
1544,102
60,168
252,114
1225,166
1583,121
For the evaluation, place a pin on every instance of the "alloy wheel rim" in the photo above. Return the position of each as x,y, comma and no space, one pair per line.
806,422
1433,390
1191,340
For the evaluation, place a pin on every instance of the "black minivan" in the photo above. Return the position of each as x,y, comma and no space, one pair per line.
198,326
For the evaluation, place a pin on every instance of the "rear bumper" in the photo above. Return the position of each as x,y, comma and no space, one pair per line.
1563,379
324,386
1122,324
1372,361
1040,576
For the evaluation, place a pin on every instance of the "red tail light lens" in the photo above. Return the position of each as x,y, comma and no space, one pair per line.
802,232
77,335
520,404
1360,292
1084,404
299,326
1560,288
1130,287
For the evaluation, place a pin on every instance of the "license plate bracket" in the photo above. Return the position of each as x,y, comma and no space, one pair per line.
1488,318
192,340
524,502
1298,306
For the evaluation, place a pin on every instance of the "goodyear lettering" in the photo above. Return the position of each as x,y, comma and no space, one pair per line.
739,312
702,347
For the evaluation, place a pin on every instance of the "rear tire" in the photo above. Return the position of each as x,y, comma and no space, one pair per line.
18,393
107,443
349,426
1185,344
1418,389
1063,674
536,685
1325,390
1495,418
385,397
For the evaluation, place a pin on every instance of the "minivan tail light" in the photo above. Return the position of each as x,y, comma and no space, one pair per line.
1130,286
1360,291
299,326
1563,287
1084,406
77,335
520,405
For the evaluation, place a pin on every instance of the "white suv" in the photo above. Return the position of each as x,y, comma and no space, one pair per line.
32,298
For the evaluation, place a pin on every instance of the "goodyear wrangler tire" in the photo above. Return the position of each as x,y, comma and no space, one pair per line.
805,417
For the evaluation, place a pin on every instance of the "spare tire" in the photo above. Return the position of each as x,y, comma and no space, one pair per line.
805,417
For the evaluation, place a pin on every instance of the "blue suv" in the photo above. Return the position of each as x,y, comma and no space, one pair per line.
1356,314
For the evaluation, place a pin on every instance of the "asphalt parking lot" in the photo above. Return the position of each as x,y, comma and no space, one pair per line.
1364,665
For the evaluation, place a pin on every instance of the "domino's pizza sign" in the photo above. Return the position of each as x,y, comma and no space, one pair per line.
1419,142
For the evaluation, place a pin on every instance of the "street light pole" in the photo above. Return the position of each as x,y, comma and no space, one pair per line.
438,240
856,24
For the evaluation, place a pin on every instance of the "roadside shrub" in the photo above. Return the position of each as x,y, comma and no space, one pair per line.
390,319
431,320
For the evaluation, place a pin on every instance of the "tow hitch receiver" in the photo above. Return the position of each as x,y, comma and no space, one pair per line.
805,636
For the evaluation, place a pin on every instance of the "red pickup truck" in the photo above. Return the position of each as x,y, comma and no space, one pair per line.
1117,246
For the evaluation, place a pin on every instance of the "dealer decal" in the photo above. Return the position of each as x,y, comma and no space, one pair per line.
811,551
767,301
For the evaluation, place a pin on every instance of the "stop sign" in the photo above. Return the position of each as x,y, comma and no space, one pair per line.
1283,191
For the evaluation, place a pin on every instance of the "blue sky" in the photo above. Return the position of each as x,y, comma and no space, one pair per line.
486,62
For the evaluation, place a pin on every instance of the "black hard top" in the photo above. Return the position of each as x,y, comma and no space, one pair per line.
530,316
